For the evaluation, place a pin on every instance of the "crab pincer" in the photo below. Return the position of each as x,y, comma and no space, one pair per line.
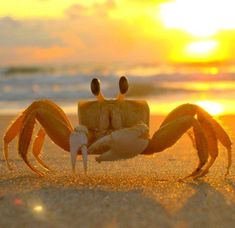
78,143
121,144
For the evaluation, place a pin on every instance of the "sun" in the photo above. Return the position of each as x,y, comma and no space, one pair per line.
202,23
199,51
214,108
200,18
203,50
202,47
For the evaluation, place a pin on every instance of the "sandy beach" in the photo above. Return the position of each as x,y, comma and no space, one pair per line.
140,192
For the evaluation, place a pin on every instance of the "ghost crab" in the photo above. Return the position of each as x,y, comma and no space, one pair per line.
116,129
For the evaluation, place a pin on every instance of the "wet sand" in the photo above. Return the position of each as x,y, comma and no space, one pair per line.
140,192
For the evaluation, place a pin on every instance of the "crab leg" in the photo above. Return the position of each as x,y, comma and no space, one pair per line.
182,110
219,133
55,124
212,132
37,147
212,144
200,142
64,136
55,127
25,138
171,132
11,133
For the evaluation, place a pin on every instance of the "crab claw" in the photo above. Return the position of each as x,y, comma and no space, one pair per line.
84,157
122,144
78,142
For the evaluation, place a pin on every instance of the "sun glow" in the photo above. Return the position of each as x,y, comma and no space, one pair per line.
212,107
202,47
42,9
200,18
200,51
38,208
203,50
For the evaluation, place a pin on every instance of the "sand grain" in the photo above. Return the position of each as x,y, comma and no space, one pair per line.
140,192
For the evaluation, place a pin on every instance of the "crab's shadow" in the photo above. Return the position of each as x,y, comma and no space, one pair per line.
207,207
86,206
74,207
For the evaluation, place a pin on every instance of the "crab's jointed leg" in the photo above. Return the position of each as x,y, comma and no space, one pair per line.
37,147
210,125
206,134
171,132
54,123
11,133
24,140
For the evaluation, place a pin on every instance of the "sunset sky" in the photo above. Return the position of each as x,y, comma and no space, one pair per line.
109,31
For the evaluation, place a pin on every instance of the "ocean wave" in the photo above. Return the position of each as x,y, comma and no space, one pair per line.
27,70
67,84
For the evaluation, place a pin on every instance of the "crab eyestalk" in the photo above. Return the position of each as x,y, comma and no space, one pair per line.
95,89
123,88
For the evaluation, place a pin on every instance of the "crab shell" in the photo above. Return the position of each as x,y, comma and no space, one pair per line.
103,117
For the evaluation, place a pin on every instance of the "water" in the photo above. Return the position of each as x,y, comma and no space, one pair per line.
163,87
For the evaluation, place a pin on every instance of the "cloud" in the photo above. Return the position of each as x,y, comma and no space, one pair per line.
97,9
32,33
35,55
91,33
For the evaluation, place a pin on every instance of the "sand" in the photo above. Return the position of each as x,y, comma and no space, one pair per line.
140,192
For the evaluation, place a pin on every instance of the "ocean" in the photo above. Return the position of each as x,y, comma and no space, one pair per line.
163,86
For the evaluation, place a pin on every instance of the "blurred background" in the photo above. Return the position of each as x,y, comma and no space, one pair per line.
171,51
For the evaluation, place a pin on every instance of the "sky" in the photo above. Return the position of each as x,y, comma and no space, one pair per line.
116,31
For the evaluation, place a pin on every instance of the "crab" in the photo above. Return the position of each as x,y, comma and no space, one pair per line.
116,129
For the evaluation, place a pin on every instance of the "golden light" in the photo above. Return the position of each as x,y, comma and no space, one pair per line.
200,18
38,208
212,107
202,51
213,70
202,47
45,9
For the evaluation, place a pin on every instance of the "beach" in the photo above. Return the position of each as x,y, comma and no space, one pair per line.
141,192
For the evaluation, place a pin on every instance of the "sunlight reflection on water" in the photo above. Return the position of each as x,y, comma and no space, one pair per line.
163,88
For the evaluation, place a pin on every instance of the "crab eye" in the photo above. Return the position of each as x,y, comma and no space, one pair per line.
95,86
123,85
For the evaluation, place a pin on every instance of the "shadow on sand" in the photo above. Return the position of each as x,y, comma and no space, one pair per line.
207,208
89,206
68,207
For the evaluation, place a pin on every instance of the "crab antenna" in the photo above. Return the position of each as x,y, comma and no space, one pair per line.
95,89
123,88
